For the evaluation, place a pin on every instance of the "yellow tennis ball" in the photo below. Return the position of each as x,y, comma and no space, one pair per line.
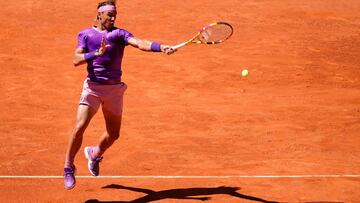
244,72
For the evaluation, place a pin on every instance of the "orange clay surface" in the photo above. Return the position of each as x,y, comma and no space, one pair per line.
191,113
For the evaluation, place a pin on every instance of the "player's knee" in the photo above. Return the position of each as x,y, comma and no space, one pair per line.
80,127
77,134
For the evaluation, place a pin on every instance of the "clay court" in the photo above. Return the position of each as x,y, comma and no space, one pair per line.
193,128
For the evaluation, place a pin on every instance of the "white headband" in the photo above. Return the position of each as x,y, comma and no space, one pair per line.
106,8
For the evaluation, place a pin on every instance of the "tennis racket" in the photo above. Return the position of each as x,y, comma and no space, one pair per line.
213,33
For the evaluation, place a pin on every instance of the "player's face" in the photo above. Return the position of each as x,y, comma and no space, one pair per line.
108,19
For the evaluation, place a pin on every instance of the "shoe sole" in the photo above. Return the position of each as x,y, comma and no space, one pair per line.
87,156
69,188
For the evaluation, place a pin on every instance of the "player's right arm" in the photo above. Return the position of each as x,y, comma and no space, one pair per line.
79,56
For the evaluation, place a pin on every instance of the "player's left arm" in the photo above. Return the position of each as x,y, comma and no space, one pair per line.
146,45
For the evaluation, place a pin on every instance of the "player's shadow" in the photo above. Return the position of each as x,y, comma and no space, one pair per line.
201,194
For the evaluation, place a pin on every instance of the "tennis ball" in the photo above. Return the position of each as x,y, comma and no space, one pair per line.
244,72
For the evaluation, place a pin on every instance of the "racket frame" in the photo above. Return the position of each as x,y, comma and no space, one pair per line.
194,41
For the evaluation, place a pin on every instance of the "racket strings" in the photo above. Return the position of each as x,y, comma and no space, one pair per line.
216,33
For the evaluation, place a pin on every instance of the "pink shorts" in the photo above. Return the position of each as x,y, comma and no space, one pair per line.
109,96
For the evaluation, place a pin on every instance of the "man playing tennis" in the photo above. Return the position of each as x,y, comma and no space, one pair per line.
101,47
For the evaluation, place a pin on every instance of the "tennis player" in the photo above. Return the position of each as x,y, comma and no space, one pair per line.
102,48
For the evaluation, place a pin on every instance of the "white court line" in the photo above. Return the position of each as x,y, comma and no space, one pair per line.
191,177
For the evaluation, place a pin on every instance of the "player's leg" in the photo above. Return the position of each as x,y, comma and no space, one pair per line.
83,117
89,103
112,110
112,133
113,124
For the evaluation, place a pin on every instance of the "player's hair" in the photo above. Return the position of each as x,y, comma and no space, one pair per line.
107,2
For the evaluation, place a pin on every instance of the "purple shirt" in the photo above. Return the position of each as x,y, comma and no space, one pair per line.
107,66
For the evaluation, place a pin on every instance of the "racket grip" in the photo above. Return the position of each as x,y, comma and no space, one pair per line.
179,45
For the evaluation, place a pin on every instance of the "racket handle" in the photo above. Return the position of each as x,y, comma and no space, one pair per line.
179,45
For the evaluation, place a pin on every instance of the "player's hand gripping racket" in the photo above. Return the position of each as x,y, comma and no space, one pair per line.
213,33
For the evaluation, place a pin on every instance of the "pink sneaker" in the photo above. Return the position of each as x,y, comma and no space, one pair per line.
93,163
69,177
